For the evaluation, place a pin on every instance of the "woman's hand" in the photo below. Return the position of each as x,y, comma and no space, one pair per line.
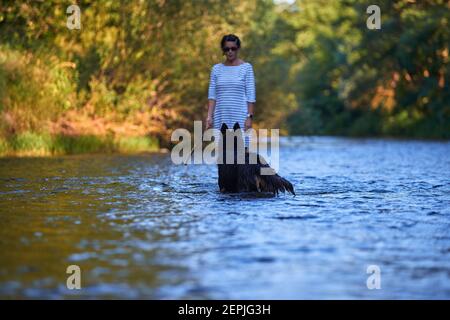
248,123
209,123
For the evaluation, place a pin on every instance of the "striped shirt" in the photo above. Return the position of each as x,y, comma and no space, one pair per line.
232,87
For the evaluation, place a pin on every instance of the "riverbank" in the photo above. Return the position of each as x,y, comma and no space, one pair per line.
29,144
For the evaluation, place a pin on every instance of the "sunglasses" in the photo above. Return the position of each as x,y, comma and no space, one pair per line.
226,49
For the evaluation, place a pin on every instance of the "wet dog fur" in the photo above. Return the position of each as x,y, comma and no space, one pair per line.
246,177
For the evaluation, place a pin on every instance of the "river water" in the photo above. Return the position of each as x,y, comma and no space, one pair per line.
140,227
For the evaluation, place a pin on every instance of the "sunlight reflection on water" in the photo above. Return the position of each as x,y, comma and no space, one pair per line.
140,227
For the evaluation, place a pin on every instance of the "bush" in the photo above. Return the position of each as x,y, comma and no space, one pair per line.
33,89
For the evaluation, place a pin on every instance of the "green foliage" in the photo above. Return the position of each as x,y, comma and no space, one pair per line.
43,144
32,89
353,81
30,141
82,144
146,64
137,144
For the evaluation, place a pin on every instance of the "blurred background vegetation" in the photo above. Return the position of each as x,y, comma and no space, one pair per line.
138,69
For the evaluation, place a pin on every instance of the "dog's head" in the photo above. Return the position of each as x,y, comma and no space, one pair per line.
233,143
235,132
223,129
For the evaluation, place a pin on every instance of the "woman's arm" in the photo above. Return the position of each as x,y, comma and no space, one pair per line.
209,117
250,107
211,98
250,92
250,110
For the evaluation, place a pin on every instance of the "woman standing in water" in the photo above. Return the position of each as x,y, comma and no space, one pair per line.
231,93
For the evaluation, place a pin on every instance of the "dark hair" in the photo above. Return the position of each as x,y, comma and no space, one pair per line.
230,37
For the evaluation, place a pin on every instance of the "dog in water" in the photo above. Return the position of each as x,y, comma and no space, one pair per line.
245,176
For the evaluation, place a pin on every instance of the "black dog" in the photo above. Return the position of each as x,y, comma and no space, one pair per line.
244,177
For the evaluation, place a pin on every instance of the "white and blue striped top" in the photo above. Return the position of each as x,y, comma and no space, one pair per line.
232,87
